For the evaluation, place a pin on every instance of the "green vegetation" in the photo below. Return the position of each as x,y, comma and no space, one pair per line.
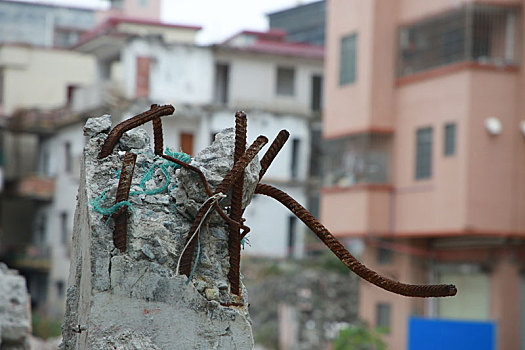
360,338
45,327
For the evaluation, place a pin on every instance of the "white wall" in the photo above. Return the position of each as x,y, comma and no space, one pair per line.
253,81
39,77
179,74
66,187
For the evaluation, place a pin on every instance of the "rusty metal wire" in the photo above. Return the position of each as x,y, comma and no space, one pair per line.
440,290
131,123
272,151
121,216
234,240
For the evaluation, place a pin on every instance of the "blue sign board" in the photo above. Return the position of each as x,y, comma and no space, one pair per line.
439,334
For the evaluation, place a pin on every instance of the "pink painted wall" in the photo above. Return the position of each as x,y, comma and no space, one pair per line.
437,203
492,177
505,303
368,102
348,108
357,210
403,268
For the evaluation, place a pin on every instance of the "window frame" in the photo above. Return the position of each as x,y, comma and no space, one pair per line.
423,171
449,139
278,78
348,45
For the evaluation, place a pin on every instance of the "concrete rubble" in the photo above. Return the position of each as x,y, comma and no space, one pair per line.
134,299
15,310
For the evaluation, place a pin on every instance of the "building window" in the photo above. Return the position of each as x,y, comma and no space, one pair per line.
222,77
60,288
348,59
64,228
142,78
317,88
294,163
384,256
68,158
424,153
450,139
292,226
476,32
383,312
285,81
186,142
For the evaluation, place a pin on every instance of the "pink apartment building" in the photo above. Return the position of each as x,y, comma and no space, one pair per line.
424,122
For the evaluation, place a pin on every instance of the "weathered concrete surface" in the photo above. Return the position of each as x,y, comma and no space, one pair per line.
135,300
15,310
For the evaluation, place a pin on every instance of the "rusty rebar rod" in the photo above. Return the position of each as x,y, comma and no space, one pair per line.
158,138
440,290
223,187
120,232
272,151
208,191
116,133
234,238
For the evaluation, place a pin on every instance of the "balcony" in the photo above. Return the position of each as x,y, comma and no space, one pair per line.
96,96
479,33
36,187
28,258
357,159
356,198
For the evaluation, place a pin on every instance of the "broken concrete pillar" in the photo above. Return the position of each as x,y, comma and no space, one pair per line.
135,299
15,310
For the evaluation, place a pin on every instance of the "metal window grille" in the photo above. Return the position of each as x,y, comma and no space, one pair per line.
357,159
424,153
476,32
348,59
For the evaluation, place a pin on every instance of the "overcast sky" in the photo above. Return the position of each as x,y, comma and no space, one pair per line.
219,18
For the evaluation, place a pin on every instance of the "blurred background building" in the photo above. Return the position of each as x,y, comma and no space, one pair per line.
424,121
122,61
422,169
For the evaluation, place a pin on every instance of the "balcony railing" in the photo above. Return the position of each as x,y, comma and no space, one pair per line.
94,96
357,159
476,32
28,258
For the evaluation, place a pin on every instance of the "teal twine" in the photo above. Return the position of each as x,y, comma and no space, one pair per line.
96,203
196,260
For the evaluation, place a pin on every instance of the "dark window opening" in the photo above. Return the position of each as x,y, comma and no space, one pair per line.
285,81
383,312
64,228
424,153
450,139
292,226
222,77
317,91
60,288
68,158
294,164
384,256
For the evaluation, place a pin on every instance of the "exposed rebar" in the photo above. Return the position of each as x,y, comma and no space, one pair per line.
410,290
120,232
234,238
116,133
